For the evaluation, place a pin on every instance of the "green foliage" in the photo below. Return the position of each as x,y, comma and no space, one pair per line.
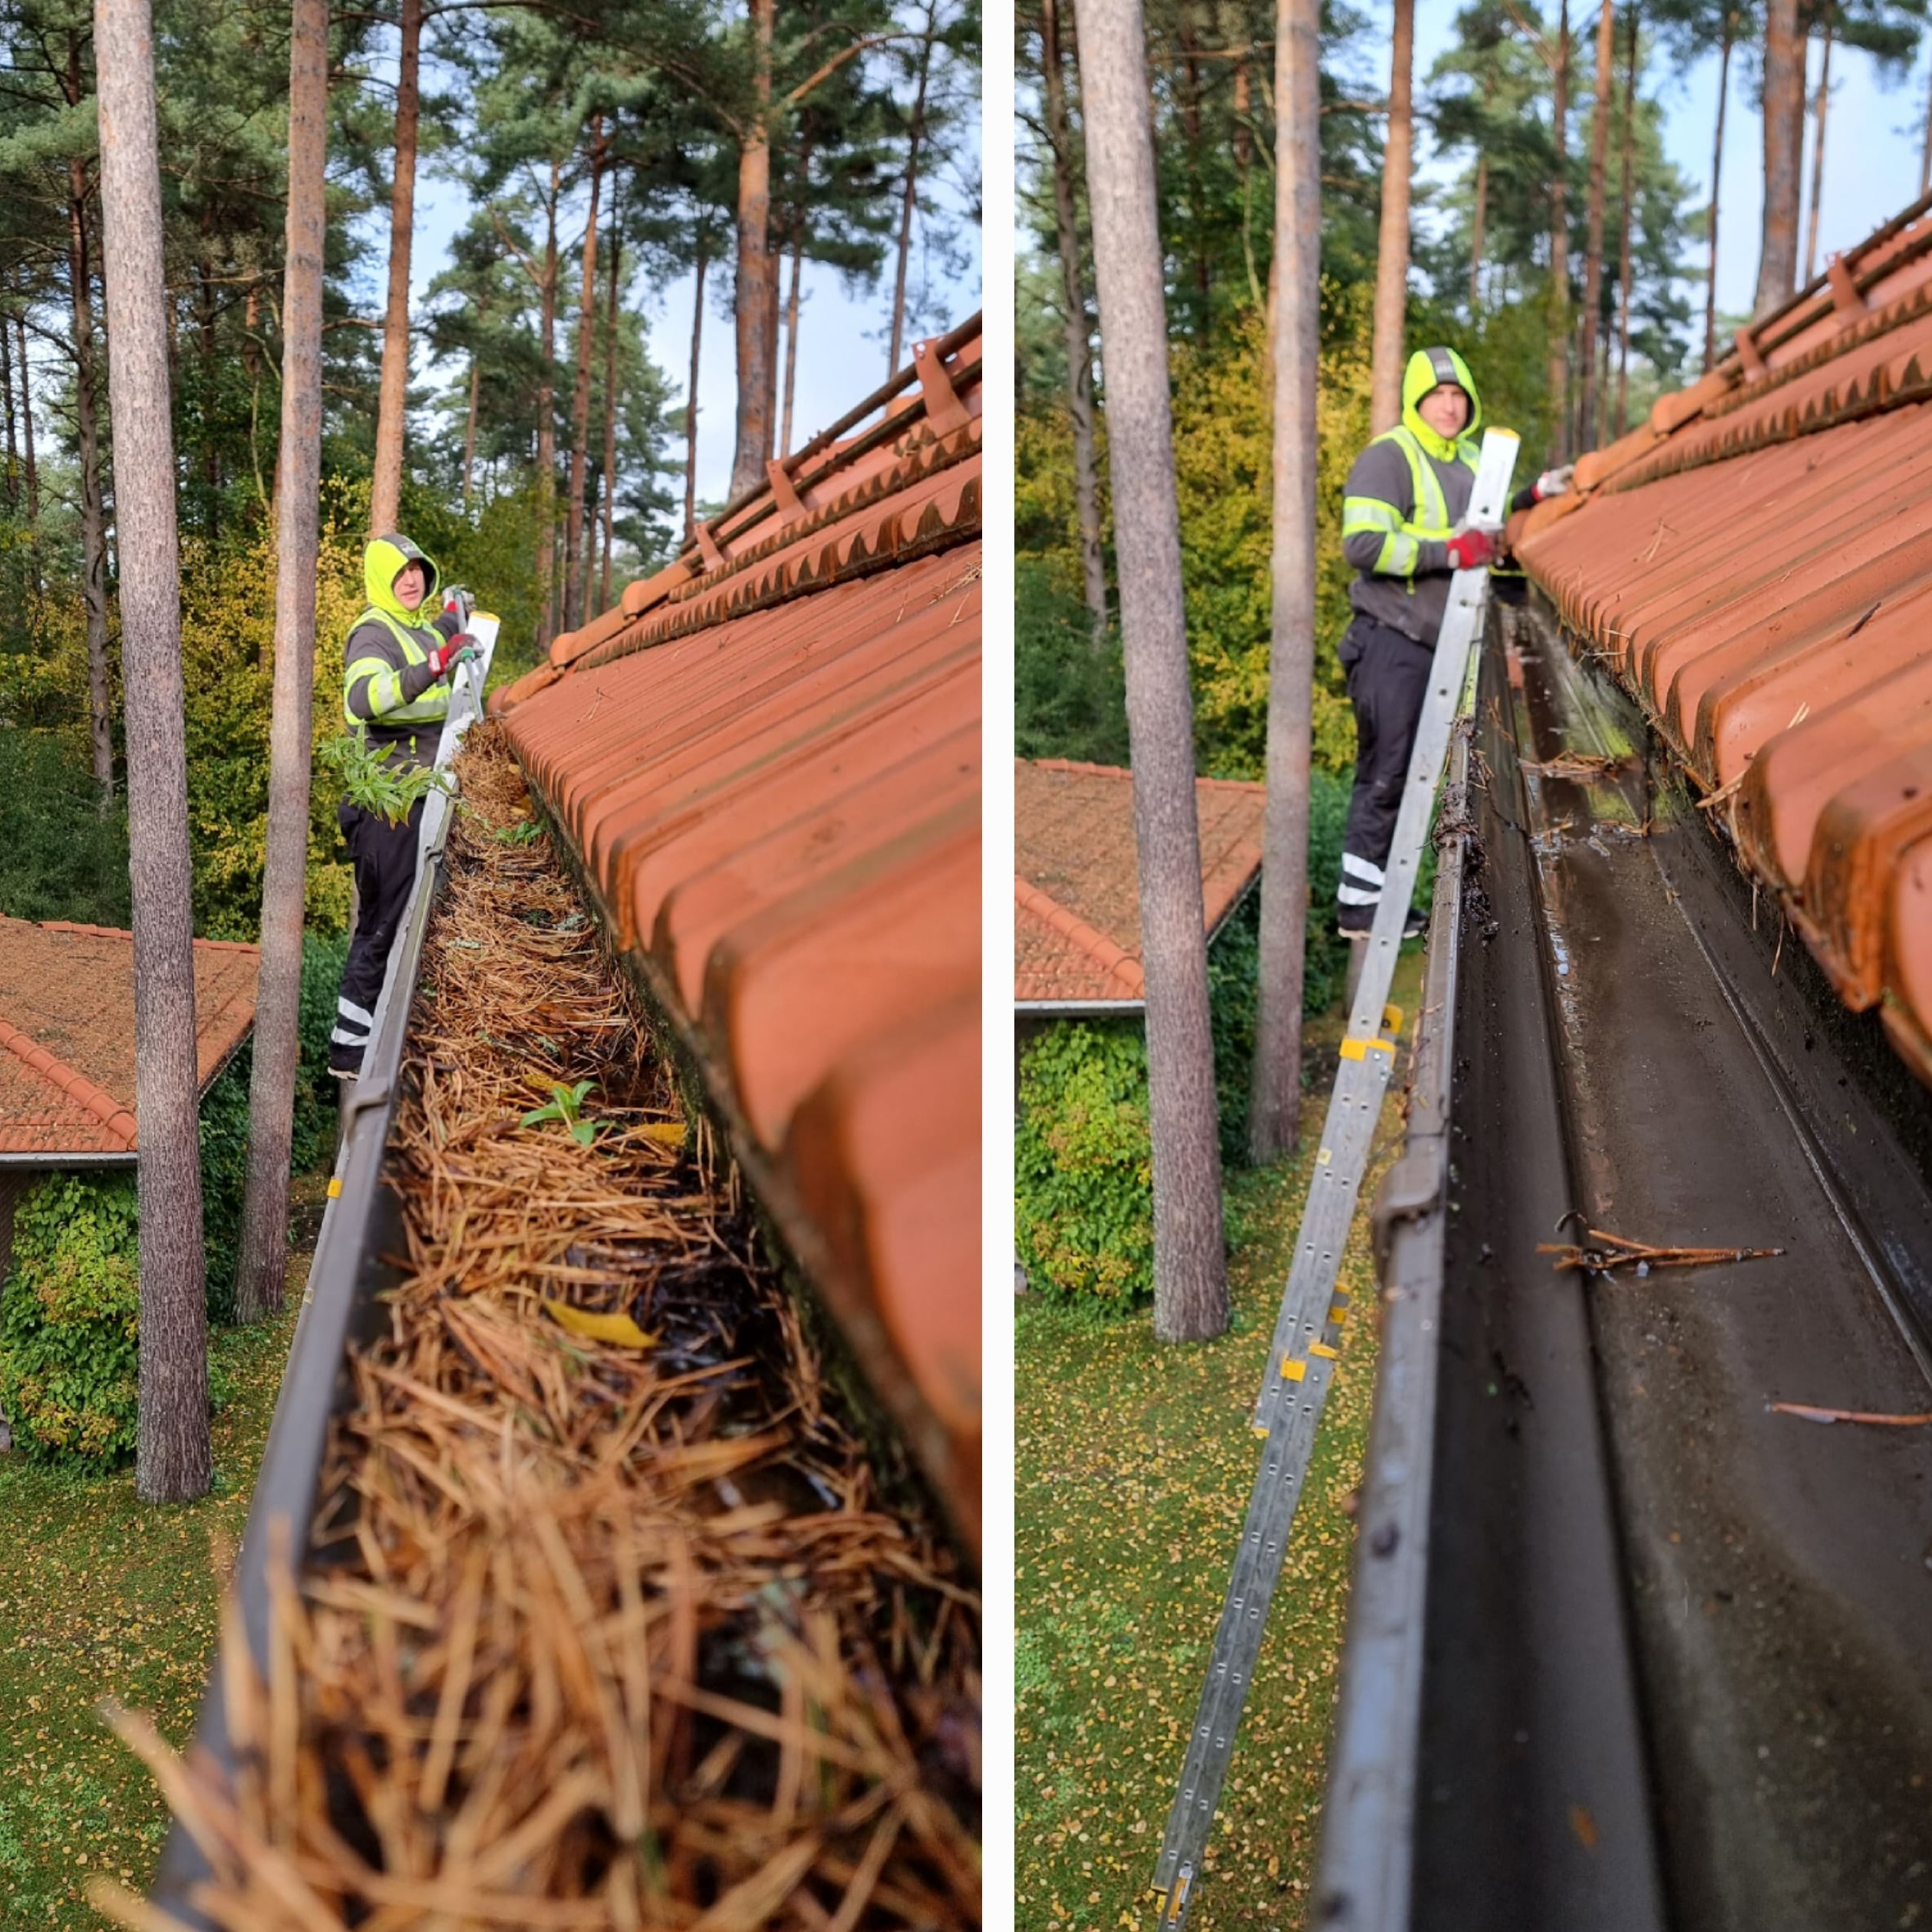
1066,691
368,779
322,958
61,856
1069,693
1083,1212
69,1360
224,1180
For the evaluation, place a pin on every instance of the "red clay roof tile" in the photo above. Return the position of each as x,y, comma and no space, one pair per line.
1759,574
1077,931
67,1031
766,762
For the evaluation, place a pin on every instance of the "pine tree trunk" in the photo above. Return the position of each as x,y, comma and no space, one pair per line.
757,292
791,333
1590,409
1392,253
1080,359
1559,362
1925,153
1783,111
174,1459
691,405
610,406
27,427
1274,1095
263,1258
1477,222
93,523
13,445
576,563
1817,153
909,195
772,257
1716,173
385,496
546,429
470,431
1624,245
1190,1274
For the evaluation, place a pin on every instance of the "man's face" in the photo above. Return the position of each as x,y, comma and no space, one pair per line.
1445,409
410,583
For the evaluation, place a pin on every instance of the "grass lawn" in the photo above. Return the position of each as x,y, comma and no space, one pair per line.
1134,1464
101,1596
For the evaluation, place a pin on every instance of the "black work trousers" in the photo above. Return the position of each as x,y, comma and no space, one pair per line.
1388,677
384,858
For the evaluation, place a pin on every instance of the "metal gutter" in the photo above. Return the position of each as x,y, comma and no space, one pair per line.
1078,1009
338,1304
1363,1871
59,1163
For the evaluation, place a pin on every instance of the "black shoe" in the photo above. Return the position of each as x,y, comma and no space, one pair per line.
345,1062
1358,922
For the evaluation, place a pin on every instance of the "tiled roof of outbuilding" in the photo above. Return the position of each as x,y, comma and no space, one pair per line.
1755,562
1076,885
67,1032
765,761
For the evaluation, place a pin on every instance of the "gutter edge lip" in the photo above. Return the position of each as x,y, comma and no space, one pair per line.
1365,1859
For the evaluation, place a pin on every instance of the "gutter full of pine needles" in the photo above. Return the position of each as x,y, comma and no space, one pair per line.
599,1619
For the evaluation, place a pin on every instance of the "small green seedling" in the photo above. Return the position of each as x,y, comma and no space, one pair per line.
526,832
566,1104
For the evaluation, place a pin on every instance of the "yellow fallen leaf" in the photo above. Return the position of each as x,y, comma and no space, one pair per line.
666,1133
620,1330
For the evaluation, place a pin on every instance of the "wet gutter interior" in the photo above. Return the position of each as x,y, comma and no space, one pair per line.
1677,1648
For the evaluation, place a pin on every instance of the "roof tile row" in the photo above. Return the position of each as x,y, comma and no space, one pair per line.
1776,621
766,763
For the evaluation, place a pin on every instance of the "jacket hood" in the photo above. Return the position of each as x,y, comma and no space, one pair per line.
383,563
1426,368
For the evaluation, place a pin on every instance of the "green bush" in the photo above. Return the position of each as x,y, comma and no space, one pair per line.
315,1086
1084,1205
69,1360
224,1181
59,858
70,1318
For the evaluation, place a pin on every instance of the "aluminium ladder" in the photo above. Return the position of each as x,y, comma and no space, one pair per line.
1308,1333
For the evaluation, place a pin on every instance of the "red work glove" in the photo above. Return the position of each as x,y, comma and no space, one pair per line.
461,649
1471,549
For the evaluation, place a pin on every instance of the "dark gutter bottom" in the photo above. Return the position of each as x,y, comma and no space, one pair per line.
1779,1605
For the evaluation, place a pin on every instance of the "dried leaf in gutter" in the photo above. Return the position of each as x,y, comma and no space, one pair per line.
617,1329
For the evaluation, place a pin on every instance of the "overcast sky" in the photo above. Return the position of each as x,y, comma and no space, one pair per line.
1873,138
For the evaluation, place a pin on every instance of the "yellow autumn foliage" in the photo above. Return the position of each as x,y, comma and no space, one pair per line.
228,661
1223,476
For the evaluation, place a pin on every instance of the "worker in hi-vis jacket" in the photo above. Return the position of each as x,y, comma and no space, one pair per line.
396,667
1402,530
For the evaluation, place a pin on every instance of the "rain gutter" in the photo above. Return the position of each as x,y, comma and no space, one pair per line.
361,1223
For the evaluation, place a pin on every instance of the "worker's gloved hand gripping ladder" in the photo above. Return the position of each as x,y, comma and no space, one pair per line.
1308,1332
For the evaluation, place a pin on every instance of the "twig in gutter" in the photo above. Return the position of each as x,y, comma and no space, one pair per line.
1577,764
1810,1413
1613,1251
